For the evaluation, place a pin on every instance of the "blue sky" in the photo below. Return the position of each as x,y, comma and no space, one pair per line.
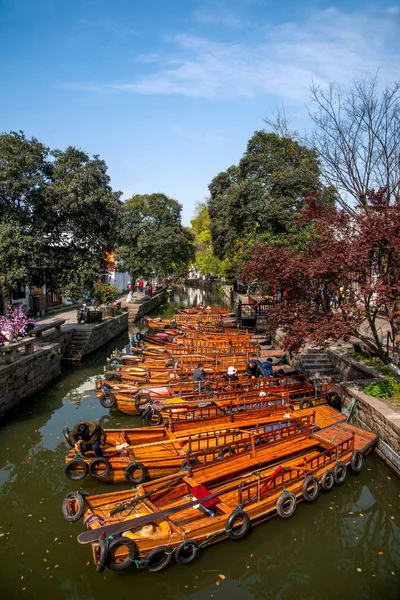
169,92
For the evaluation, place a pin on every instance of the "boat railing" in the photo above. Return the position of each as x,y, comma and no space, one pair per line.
195,413
332,454
265,484
244,441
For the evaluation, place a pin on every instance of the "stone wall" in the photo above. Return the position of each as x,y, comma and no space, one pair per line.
374,415
89,338
28,375
349,368
137,311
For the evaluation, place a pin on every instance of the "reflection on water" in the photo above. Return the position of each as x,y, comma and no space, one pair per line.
345,545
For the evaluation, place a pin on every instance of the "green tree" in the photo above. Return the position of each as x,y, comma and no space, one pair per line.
58,215
205,261
152,238
256,200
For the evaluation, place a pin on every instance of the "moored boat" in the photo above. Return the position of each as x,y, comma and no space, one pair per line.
179,515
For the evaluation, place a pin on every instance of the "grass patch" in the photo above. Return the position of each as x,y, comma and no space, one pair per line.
375,363
389,387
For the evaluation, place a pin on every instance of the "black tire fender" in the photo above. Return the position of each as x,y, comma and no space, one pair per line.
130,471
286,504
142,401
101,460
69,470
327,480
121,542
186,552
306,403
103,553
107,399
239,532
165,556
226,451
73,513
356,462
334,400
310,488
67,438
339,472
154,414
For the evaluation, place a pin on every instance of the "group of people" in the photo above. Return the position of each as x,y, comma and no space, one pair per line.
254,370
141,286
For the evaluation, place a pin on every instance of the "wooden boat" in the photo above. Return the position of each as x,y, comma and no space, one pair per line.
140,462
179,515
133,399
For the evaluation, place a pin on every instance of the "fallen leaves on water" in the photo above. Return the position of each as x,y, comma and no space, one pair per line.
359,570
1,534
30,515
361,514
392,518
380,553
331,508
217,583
56,539
393,573
388,478
221,576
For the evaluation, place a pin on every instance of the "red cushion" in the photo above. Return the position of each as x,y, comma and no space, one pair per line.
200,491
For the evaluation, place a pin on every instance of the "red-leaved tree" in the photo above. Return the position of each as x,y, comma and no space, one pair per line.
345,281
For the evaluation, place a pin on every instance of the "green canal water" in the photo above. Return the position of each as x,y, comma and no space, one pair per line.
344,545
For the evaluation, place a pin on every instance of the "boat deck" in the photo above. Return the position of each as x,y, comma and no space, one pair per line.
325,415
363,440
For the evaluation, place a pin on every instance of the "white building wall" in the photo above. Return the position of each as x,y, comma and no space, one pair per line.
119,280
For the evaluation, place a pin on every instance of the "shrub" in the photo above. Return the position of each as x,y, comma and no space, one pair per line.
105,294
383,389
15,323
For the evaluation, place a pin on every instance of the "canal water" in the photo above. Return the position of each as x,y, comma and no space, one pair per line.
345,545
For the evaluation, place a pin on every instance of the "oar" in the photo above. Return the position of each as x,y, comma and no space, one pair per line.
109,530
134,501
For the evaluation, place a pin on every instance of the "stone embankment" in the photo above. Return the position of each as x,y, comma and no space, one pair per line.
24,373
86,339
142,305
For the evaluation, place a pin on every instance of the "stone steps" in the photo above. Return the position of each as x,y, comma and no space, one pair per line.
316,363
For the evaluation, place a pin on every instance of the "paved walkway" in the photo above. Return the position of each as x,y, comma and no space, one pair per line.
69,313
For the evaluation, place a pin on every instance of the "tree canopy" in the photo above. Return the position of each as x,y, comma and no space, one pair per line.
205,261
344,281
58,215
152,238
255,201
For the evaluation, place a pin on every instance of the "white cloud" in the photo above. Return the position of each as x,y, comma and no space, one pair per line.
220,17
282,61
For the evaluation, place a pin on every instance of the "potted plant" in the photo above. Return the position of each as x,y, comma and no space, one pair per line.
104,296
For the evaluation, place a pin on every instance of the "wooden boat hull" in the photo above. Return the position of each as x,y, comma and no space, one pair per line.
169,451
177,510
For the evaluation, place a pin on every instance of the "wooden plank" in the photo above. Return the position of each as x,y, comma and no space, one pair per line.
363,440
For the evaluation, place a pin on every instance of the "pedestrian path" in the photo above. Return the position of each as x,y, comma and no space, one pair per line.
69,313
